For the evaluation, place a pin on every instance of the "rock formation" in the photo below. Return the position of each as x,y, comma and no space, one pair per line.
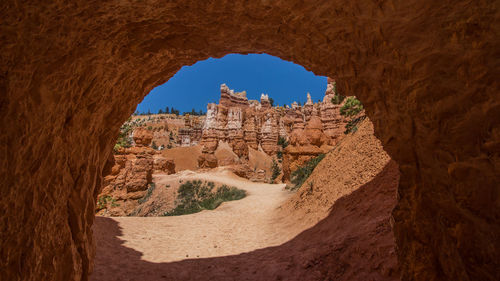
207,160
131,175
142,137
243,123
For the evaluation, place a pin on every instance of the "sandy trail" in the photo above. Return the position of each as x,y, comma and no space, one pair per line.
234,227
352,194
353,242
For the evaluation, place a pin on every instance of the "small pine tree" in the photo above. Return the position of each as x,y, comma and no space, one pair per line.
351,107
167,110
282,141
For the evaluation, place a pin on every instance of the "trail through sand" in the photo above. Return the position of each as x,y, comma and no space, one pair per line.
234,227
336,227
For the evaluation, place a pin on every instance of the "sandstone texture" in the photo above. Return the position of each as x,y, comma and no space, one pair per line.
142,137
129,180
426,73
357,160
169,130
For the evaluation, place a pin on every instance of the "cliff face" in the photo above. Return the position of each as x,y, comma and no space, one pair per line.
258,125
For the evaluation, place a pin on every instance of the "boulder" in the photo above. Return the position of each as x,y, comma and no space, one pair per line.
207,160
142,136
162,164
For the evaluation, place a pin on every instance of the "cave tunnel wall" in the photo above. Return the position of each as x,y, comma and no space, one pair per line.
426,72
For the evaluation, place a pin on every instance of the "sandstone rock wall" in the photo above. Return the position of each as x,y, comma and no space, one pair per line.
426,72
131,176
170,130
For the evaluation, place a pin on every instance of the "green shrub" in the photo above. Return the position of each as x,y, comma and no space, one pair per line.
279,154
282,141
299,176
276,171
151,188
103,201
352,125
124,139
351,107
195,196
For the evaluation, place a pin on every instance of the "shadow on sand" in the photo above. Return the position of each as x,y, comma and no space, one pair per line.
354,242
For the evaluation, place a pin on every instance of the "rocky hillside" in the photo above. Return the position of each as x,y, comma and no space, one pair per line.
352,163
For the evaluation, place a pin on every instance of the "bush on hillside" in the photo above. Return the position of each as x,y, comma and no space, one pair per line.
282,142
195,196
124,139
352,125
299,176
276,171
351,107
102,202
279,155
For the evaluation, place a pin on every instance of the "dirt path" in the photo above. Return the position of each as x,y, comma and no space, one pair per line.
235,242
234,227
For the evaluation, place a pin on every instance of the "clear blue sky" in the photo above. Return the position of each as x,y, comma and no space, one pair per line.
195,86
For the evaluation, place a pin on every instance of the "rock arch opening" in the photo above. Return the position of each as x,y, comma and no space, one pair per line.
427,75
173,162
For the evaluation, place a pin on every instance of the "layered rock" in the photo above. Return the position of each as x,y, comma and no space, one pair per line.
426,72
129,180
333,122
191,133
231,99
142,137
163,165
248,123
131,175
311,129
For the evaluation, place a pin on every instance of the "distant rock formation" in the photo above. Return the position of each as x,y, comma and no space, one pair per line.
310,129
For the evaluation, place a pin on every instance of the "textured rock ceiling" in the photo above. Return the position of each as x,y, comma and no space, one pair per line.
427,73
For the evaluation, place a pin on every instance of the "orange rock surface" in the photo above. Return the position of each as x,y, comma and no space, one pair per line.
426,73
129,179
